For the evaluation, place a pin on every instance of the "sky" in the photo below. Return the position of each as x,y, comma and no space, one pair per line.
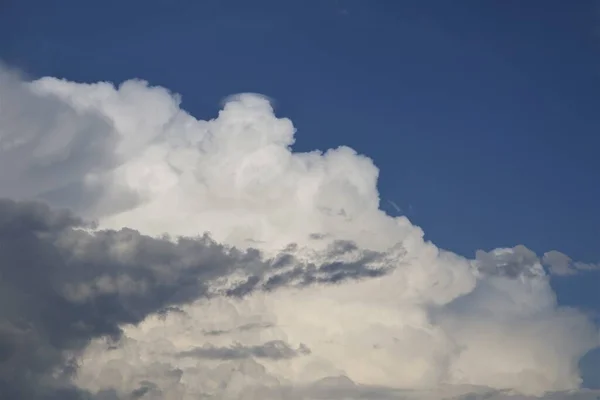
477,121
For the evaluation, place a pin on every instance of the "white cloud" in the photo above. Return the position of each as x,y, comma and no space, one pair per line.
437,326
560,264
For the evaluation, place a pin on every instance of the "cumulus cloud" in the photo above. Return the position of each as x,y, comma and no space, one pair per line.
62,286
50,149
280,277
560,264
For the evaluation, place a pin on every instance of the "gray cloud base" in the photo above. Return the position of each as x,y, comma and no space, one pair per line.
61,286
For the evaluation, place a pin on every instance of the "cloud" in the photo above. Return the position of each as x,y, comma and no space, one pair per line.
62,286
53,154
297,255
562,265
246,327
275,349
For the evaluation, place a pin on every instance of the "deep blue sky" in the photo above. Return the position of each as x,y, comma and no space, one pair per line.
484,116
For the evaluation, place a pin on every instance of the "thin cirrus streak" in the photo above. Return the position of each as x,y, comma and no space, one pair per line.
225,265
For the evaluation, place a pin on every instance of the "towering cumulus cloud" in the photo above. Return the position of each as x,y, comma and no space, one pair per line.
223,265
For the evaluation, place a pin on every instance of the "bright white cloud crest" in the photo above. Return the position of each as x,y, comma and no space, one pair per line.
438,325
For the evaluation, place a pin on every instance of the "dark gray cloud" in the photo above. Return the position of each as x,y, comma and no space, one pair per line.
274,350
144,389
288,271
241,328
61,286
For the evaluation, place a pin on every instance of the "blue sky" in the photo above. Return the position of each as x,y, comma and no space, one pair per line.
482,116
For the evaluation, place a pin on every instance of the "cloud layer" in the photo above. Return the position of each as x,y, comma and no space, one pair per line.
303,287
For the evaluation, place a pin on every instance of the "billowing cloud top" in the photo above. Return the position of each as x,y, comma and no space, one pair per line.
303,287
